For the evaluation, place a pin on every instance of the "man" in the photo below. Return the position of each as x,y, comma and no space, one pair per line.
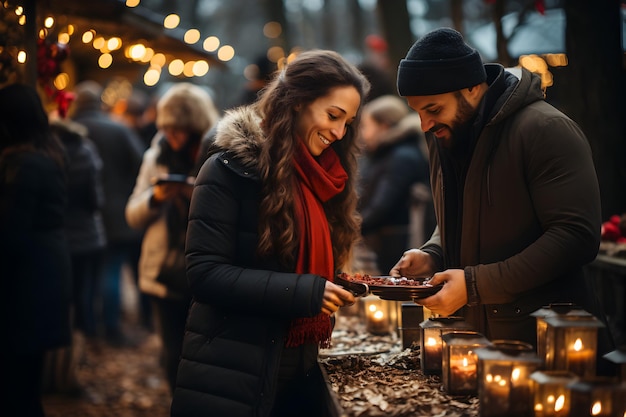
514,188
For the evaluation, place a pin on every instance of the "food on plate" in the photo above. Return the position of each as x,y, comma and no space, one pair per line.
384,280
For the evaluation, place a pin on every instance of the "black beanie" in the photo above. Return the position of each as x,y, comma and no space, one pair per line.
439,62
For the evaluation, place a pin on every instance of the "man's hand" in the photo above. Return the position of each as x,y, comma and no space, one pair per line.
414,264
452,296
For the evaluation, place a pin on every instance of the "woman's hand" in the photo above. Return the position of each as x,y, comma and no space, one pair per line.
335,297
414,263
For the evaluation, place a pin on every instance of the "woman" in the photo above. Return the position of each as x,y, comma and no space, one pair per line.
159,205
273,217
392,164
34,257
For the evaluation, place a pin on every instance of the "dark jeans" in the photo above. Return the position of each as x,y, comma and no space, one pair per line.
87,279
170,316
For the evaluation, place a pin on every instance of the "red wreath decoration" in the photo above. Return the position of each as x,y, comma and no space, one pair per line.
50,55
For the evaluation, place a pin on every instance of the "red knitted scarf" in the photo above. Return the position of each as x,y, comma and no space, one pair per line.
319,180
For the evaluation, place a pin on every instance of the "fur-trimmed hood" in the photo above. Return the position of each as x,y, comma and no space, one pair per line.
241,133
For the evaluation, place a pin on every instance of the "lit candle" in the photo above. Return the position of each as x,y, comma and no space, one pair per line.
377,321
551,397
432,353
580,359
463,373
495,397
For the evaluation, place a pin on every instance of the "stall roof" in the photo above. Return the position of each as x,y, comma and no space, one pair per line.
113,18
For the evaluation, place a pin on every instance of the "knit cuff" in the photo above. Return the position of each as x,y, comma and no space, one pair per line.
473,299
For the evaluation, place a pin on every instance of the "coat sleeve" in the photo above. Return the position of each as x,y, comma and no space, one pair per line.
139,212
221,240
563,189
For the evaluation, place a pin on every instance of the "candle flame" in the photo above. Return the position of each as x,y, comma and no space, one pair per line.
596,408
465,363
516,374
578,345
378,315
372,308
431,341
560,403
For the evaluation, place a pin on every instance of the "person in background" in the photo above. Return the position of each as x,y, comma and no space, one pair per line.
273,218
84,224
514,188
84,229
159,206
392,163
376,67
121,151
137,114
35,269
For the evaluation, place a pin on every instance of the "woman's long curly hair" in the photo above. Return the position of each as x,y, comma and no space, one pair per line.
313,74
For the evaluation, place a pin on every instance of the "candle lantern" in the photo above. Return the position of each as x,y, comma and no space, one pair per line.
553,310
597,396
551,392
377,315
573,342
431,343
504,384
618,357
412,316
460,363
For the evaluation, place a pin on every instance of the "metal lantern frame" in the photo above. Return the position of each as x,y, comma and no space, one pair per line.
504,384
553,310
460,362
431,343
572,343
551,395
598,396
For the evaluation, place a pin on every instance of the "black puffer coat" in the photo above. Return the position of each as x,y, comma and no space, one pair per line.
242,307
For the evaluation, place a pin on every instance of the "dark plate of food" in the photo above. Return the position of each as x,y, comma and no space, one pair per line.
390,288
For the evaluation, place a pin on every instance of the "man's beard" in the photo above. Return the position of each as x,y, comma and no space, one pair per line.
462,122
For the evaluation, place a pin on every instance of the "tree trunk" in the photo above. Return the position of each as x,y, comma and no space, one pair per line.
596,94
395,24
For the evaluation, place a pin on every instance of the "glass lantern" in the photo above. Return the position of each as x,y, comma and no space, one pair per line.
412,316
573,342
460,363
378,315
551,394
598,396
553,310
431,343
618,357
504,384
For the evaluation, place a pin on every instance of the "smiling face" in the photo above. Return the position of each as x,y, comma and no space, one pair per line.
326,119
446,114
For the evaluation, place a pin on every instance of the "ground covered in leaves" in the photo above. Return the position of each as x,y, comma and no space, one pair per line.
116,381
387,383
